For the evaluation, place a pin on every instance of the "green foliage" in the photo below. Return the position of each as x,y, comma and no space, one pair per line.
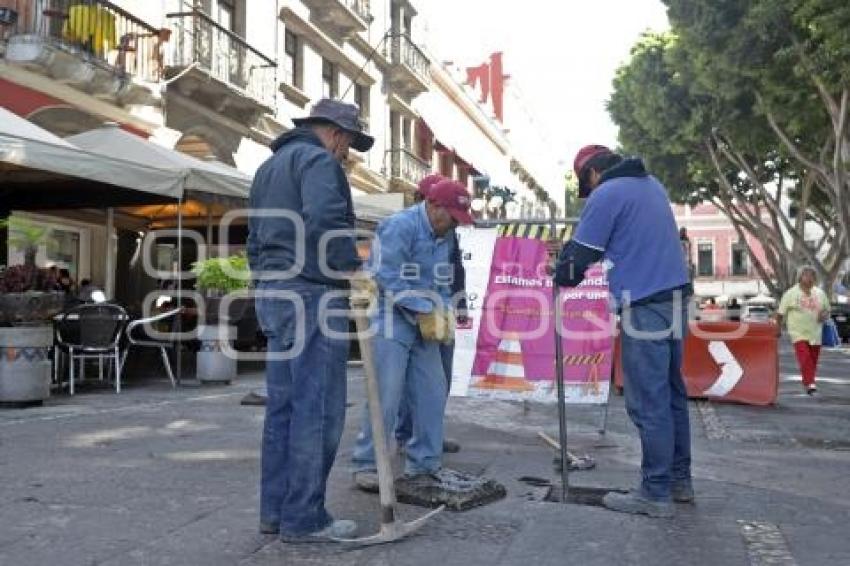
222,274
572,204
26,235
740,104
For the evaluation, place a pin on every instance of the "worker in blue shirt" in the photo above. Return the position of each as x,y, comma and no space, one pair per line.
404,430
628,222
410,261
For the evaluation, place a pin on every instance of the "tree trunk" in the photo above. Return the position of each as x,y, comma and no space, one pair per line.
29,256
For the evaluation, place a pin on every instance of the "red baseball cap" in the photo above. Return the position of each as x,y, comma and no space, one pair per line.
428,182
583,157
452,196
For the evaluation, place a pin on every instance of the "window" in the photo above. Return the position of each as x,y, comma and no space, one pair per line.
405,133
292,60
446,164
394,134
705,259
64,251
226,15
361,99
739,259
463,174
395,18
330,80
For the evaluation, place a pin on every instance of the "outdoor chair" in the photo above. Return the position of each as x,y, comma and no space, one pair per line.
138,336
85,332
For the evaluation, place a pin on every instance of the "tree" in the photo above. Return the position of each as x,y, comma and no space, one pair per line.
572,204
703,105
791,59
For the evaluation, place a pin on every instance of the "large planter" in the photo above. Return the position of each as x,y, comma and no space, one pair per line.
233,314
213,365
17,308
25,363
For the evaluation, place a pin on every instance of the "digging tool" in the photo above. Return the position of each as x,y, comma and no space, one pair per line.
392,528
577,462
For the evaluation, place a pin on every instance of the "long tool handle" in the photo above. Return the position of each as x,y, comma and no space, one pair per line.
386,486
559,379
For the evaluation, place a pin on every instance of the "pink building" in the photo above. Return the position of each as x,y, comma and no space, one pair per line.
721,261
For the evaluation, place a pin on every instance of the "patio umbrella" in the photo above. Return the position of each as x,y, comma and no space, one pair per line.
209,189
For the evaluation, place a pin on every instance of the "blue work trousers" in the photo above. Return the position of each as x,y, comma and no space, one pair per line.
404,430
305,410
656,399
415,373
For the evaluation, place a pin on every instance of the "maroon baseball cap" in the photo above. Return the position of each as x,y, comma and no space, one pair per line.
583,157
428,182
452,196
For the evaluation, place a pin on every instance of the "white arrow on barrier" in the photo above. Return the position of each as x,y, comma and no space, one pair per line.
730,370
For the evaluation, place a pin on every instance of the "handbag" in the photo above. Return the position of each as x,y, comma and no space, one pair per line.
829,335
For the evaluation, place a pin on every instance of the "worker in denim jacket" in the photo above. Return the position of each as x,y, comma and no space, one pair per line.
414,315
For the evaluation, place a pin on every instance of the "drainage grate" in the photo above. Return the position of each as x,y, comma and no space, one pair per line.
456,490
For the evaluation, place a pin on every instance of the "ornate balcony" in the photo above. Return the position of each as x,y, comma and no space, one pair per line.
217,68
342,17
91,45
408,66
406,170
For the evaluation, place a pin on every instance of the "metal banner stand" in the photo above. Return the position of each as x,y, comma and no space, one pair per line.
559,380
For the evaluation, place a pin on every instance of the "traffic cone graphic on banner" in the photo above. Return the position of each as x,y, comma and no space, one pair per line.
506,372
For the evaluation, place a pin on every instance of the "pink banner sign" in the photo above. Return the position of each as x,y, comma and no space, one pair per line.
515,348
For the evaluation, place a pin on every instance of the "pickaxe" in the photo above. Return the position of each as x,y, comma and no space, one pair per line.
392,528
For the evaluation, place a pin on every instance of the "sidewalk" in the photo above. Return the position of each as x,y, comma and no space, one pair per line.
155,476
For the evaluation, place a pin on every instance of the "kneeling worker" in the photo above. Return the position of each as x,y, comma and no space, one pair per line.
413,317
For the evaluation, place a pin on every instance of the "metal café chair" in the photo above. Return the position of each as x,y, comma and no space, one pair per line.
89,331
138,336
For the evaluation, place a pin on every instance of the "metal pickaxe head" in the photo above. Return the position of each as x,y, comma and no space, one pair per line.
392,529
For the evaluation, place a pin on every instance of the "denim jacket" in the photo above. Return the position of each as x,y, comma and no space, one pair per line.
303,179
412,271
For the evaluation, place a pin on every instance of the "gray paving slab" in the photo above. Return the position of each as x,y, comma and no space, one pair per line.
156,476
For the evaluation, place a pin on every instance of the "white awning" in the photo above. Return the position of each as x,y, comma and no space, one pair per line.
40,170
196,176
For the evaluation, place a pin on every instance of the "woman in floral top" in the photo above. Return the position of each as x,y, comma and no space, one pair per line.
805,308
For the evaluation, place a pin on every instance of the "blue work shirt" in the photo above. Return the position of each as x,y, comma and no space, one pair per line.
628,217
412,271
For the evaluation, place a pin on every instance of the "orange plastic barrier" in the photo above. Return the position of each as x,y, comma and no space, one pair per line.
727,361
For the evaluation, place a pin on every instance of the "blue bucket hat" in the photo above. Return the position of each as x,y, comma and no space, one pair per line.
343,115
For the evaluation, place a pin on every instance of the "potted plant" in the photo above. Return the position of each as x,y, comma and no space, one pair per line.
215,279
28,301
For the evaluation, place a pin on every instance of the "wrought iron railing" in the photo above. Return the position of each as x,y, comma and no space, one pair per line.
405,52
359,7
198,39
96,29
406,166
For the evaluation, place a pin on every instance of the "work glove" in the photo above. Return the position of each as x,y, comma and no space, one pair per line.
364,290
437,326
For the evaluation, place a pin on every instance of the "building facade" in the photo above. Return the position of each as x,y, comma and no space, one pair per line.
220,79
721,263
